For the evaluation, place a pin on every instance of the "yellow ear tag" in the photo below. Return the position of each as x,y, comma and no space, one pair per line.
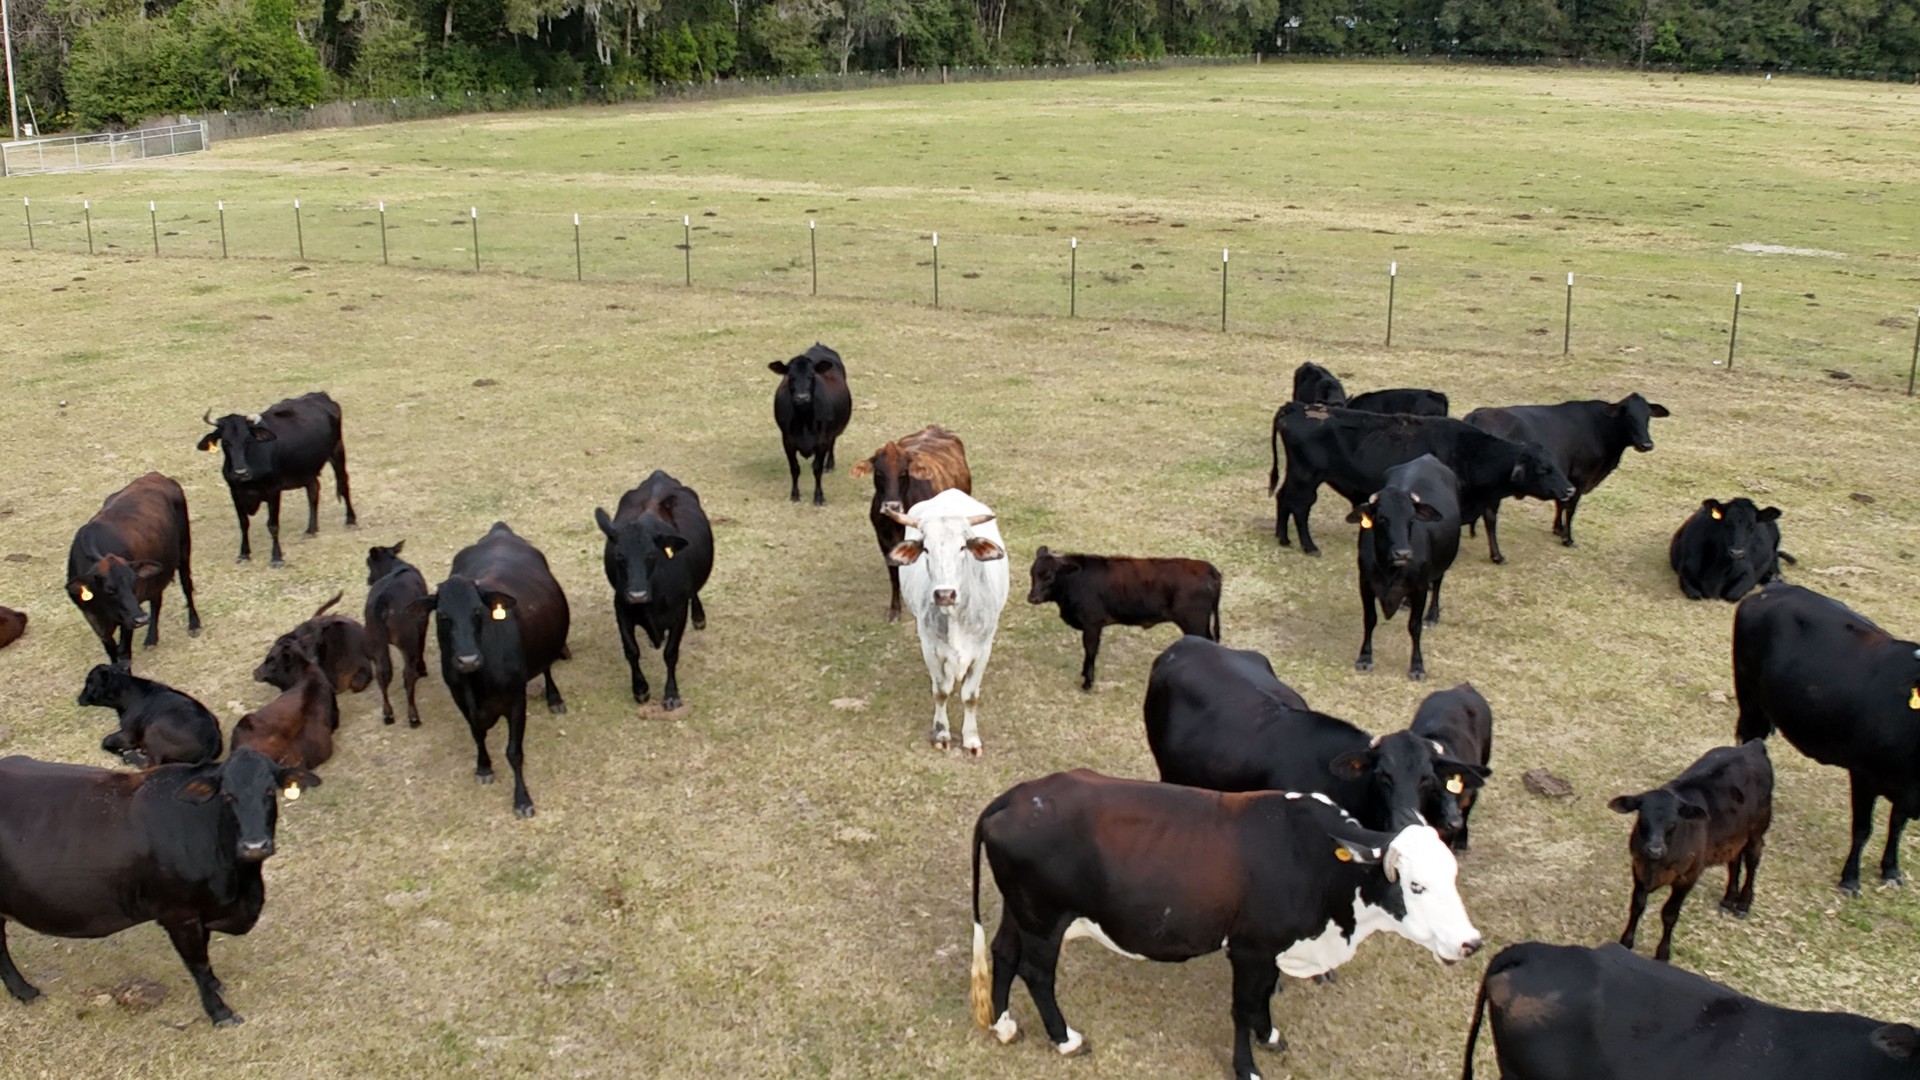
669,552
1913,699
87,594
291,791
1455,785
213,448
1343,854
499,613
1366,522
1715,513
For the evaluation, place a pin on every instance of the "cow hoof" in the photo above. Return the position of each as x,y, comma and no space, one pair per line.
1568,542
1326,978
244,559
819,500
484,777
1005,1029
525,811
387,719
1417,675
1075,1045
1313,551
671,703
1851,888
232,1019
277,563
1363,665
1895,880
946,742
1086,686
1498,559
26,995
893,616
557,708
1274,1042
193,631
975,748
413,721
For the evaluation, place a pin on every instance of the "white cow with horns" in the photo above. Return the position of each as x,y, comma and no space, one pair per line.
953,577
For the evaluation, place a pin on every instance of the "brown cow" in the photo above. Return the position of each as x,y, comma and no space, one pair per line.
125,556
906,471
336,642
12,625
296,728
1097,591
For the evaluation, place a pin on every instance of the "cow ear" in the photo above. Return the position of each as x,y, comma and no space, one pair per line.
1771,513
79,591
864,468
1898,1041
1692,811
1425,512
420,605
669,544
905,553
1624,804
821,367
985,550
1519,474
778,367
1065,565
1347,850
146,568
261,433
1354,516
1710,504
1657,410
600,518
397,545
199,789
209,441
291,780
1350,766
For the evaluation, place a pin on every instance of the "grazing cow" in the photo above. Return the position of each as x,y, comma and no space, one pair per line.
1563,1012
1315,385
1726,549
295,729
659,554
1096,591
12,625
1584,438
336,642
281,449
501,619
1218,719
88,852
126,556
1715,813
393,585
910,470
1284,882
1843,692
954,578
1409,537
1351,452
1403,401
812,407
158,724
1460,722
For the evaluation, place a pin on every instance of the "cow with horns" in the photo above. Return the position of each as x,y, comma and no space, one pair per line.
281,449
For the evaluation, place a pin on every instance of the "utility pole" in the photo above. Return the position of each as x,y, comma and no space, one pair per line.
6,36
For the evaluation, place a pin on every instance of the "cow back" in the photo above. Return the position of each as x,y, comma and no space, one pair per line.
1217,718
504,562
147,519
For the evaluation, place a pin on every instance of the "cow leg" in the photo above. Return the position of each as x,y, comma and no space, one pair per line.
793,472
819,464
23,991
1492,518
1730,903
1006,964
1462,838
245,514
1863,799
1636,907
1090,644
1566,530
273,528
829,458
340,489
313,505
1890,860
516,747
382,670
190,941
556,704
1254,978
482,761
699,613
1417,667
1039,959
1369,619
1752,858
941,736
153,622
671,654
1669,915
1433,609
415,669
970,701
631,646
124,650
1559,517
893,605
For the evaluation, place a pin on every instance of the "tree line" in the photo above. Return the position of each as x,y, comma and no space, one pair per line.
101,63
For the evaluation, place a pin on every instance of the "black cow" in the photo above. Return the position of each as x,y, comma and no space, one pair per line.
1716,813
392,621
1562,1012
1460,722
812,406
1217,718
12,625
1285,882
659,555
281,449
158,724
88,852
1409,537
1097,591
1584,438
126,556
1351,452
1315,385
501,619
1405,401
1844,692
1726,549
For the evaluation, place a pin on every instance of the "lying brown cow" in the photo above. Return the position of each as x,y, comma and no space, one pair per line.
12,625
1097,591
336,642
907,471
295,729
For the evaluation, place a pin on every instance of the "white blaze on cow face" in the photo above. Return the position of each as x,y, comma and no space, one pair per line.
1427,873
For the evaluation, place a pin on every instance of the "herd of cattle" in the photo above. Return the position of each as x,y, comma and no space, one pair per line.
1297,834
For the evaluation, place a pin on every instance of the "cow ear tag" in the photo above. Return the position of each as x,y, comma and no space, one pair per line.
1366,522
1913,698
1455,785
87,594
1715,513
213,448
291,791
1342,854
669,552
499,613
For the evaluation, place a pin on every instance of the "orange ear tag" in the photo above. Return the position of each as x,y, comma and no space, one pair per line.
1455,785
1913,699
1715,513
499,613
1343,854
1366,522
669,552
87,594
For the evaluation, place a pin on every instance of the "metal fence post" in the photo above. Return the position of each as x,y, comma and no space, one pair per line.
1073,276
299,231
26,204
86,208
1734,331
1393,274
1223,290
813,251
1915,366
686,244
473,215
936,270
153,218
579,267
222,206
383,232
1566,342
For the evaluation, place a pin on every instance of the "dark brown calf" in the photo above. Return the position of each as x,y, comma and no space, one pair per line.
393,585
336,642
12,625
1460,724
296,728
1097,591
125,556
907,471
1715,813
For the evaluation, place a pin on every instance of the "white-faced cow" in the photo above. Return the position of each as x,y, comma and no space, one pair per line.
1726,549
281,449
126,556
953,575
1284,882
812,406
658,557
907,470
1584,438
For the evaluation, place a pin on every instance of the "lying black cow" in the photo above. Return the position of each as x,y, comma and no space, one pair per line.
393,584
281,449
1217,718
502,619
812,406
158,724
1409,537
1098,591
1351,452
1284,882
658,557
1460,722
1562,1012
1844,692
1584,438
1726,549
126,556
88,852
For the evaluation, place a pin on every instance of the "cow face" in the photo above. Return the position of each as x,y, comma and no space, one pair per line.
803,374
1387,524
466,618
1315,385
893,470
1413,778
286,661
1667,823
1048,568
109,590
246,443
1423,866
382,561
1736,527
105,684
1635,414
944,542
251,785
1538,476
639,554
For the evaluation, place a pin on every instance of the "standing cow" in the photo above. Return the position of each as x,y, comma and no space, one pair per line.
954,578
1584,438
281,449
812,406
1844,692
502,619
126,556
393,584
1409,537
909,470
1726,549
1098,591
1459,723
659,554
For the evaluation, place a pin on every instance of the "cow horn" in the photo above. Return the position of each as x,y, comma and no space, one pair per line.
207,418
1374,499
254,419
1391,864
1415,496
1375,744
979,519
900,518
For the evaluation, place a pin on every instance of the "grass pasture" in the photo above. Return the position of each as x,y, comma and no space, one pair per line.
774,881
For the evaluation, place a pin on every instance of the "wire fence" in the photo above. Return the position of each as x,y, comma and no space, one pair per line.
1787,320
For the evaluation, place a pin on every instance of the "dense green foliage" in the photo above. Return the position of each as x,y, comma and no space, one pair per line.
97,62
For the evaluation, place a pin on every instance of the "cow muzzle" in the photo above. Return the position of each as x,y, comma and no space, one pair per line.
892,506
1655,852
1736,553
637,596
1400,556
242,474
466,665
1643,447
946,597
141,618
254,850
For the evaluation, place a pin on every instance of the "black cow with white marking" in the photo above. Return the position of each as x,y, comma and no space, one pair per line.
1727,549
658,557
1584,438
281,449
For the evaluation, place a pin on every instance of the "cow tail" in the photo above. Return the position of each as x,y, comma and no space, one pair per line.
1788,559
982,971
1273,475
1214,622
1473,1032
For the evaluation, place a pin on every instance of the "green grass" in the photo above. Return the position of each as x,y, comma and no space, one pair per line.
772,884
